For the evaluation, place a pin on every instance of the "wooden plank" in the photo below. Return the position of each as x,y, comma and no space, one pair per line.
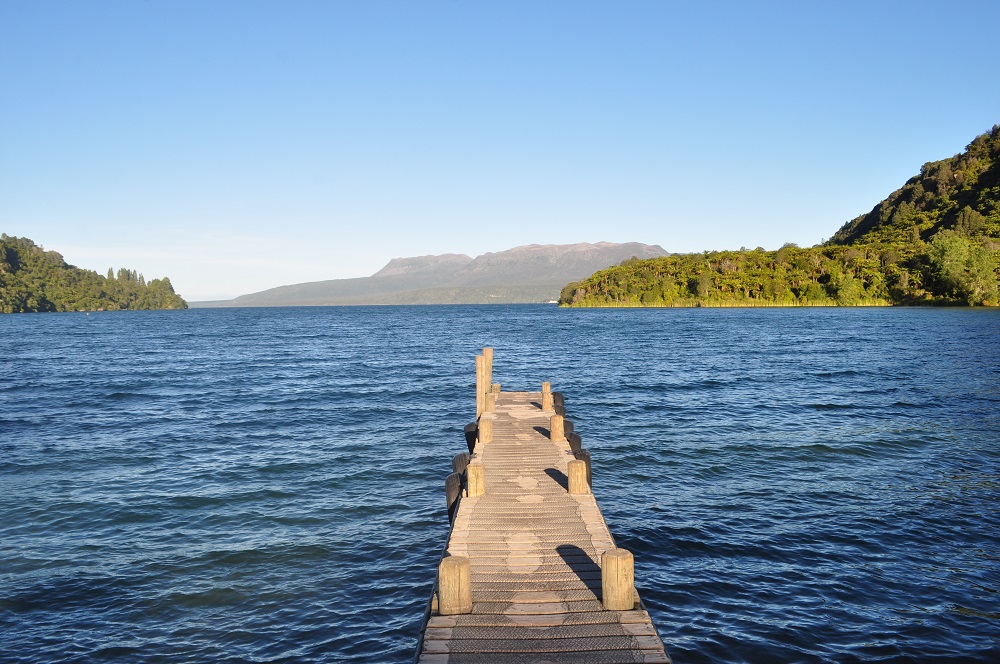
638,616
585,630
594,644
537,596
514,609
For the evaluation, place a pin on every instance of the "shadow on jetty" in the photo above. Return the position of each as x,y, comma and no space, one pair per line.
559,476
585,567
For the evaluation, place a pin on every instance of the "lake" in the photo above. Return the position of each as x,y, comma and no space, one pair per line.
267,485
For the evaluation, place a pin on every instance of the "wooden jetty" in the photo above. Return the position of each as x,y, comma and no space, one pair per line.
531,572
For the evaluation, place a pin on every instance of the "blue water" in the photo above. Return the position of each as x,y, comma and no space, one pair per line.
267,485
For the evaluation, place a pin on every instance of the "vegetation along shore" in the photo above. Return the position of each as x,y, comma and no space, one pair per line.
33,280
936,240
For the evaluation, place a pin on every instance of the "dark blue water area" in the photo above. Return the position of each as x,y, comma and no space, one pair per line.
267,485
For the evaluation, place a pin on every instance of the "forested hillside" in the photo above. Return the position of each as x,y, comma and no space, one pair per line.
32,279
935,240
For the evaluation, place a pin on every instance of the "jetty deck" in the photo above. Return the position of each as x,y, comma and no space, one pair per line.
530,540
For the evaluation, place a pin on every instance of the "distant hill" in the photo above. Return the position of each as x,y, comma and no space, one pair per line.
935,240
531,273
35,280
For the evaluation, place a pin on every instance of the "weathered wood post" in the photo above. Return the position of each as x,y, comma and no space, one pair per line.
488,375
459,462
558,403
556,430
574,440
486,428
584,456
480,381
618,580
452,490
454,586
491,403
471,432
475,479
576,472
546,396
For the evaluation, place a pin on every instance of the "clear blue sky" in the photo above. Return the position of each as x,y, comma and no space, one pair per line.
237,146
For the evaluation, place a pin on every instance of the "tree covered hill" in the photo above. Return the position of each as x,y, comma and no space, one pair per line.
936,240
961,194
32,279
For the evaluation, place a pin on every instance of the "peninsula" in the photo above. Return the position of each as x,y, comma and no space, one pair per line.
935,240
35,280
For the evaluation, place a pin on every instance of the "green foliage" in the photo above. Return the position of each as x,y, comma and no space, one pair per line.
787,277
964,270
935,240
961,193
32,279
950,269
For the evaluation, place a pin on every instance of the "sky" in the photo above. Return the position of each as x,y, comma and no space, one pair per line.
235,146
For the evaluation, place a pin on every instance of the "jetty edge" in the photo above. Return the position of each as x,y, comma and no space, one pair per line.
530,571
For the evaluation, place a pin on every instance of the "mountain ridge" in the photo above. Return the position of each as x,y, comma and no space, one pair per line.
522,274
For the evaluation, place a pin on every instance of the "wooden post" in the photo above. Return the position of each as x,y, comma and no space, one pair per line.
575,442
475,479
486,428
618,580
546,396
454,586
488,375
452,490
558,403
576,470
496,389
480,381
471,432
556,430
491,403
459,463
584,456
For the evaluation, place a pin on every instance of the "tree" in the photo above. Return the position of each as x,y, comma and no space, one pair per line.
962,270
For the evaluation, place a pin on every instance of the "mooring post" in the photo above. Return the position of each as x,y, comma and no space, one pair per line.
576,471
486,428
556,430
574,440
454,586
491,403
452,490
546,396
487,385
471,431
618,580
459,462
480,373
488,376
496,389
475,479
584,456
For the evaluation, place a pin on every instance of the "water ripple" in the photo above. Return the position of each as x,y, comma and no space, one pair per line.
267,485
